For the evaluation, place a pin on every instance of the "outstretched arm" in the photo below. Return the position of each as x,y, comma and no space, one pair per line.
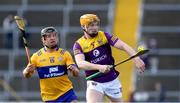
125,47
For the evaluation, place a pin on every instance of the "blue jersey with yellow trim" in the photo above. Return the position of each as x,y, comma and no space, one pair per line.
97,50
52,71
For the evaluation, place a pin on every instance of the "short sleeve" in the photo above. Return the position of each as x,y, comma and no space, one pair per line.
69,59
34,59
112,39
77,49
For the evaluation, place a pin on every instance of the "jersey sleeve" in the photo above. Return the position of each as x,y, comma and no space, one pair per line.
112,39
77,49
69,59
33,59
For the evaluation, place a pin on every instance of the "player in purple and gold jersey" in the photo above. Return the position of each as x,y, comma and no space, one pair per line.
93,53
52,64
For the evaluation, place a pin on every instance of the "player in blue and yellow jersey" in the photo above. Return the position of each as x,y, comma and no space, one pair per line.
52,64
93,53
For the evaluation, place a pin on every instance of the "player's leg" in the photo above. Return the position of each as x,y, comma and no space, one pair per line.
115,99
93,96
113,90
94,92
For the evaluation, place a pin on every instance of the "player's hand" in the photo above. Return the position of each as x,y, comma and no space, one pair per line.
105,68
139,64
29,70
74,70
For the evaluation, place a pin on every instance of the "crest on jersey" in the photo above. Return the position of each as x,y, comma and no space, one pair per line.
92,44
96,52
51,59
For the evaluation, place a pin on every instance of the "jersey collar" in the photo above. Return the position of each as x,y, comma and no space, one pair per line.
45,48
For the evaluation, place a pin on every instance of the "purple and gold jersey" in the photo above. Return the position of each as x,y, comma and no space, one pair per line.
97,50
52,71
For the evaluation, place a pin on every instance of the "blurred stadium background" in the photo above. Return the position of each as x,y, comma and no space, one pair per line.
152,23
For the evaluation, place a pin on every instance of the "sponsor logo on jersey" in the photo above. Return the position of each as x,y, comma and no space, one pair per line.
96,53
53,69
101,58
53,75
42,60
60,59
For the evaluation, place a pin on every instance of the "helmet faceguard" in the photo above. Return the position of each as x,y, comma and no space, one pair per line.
46,31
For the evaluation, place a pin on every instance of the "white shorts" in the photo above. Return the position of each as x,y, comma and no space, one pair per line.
111,89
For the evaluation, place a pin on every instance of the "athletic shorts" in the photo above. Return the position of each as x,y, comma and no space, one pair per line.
67,97
111,89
